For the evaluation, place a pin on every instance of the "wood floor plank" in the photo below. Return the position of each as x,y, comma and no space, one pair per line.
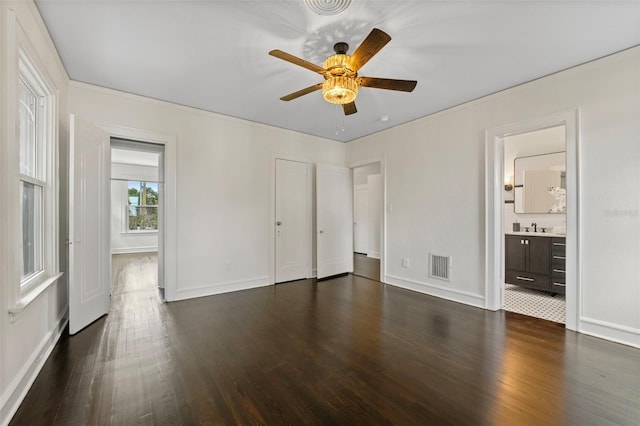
347,350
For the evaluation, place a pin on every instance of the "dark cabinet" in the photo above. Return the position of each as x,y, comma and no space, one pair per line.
558,262
535,262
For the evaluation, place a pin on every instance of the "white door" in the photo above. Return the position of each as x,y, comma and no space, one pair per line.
360,219
292,224
89,222
334,220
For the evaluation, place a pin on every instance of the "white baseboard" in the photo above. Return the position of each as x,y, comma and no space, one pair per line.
219,288
314,273
436,290
605,330
131,250
18,388
374,254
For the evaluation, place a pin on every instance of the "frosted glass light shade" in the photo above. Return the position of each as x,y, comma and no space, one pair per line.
340,90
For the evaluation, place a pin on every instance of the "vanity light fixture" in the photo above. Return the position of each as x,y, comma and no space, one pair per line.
508,185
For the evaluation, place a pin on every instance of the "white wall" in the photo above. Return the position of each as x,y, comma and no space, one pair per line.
26,338
360,173
435,185
525,145
224,168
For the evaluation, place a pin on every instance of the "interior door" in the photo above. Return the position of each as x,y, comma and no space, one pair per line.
292,227
89,224
334,220
360,219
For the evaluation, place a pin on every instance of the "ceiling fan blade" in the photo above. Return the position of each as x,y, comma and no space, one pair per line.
375,41
349,108
297,61
388,83
299,93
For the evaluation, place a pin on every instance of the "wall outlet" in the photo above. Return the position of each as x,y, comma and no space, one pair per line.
389,208
227,265
405,262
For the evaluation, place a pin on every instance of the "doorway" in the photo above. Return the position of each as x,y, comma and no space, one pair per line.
495,207
367,220
137,190
535,223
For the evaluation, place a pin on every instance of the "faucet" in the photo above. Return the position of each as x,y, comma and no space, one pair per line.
535,227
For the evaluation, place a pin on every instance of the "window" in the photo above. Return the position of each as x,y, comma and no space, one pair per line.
36,146
142,206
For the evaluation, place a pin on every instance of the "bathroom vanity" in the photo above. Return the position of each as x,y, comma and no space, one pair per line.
535,260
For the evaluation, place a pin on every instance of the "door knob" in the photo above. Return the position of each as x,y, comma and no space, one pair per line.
278,223
321,232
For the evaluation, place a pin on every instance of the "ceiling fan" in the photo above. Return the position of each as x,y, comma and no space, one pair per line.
340,72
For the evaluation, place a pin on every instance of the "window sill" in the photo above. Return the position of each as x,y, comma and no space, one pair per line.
141,232
32,295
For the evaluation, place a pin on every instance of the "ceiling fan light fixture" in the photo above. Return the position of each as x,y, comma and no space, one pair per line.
340,90
336,65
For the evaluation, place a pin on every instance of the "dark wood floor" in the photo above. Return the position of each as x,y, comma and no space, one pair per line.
367,267
342,351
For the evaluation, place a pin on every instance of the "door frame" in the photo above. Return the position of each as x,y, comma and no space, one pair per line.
272,212
383,231
169,200
494,209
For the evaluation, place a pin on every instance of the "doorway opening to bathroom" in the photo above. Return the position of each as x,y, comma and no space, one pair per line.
535,223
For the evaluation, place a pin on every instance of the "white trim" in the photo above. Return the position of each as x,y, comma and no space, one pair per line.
24,62
32,295
170,183
18,388
494,208
453,295
131,250
605,330
272,212
374,255
226,287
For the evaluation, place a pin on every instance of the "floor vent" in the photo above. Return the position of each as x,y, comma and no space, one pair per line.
440,267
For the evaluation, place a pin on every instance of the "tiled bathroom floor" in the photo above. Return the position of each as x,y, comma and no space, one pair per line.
534,303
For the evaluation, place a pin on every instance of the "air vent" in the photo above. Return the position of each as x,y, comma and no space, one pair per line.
440,267
327,7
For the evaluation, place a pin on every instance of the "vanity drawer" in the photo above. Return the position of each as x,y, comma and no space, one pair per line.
527,279
557,286
558,268
558,246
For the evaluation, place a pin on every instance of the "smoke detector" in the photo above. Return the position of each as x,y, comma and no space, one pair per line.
327,7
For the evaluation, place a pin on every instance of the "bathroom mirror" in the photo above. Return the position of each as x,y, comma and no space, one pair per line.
540,183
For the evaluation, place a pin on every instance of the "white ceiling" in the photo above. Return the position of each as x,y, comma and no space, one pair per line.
213,54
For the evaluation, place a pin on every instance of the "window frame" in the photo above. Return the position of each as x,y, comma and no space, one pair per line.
25,66
126,206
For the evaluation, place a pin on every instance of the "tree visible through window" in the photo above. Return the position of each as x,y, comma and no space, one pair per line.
142,206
